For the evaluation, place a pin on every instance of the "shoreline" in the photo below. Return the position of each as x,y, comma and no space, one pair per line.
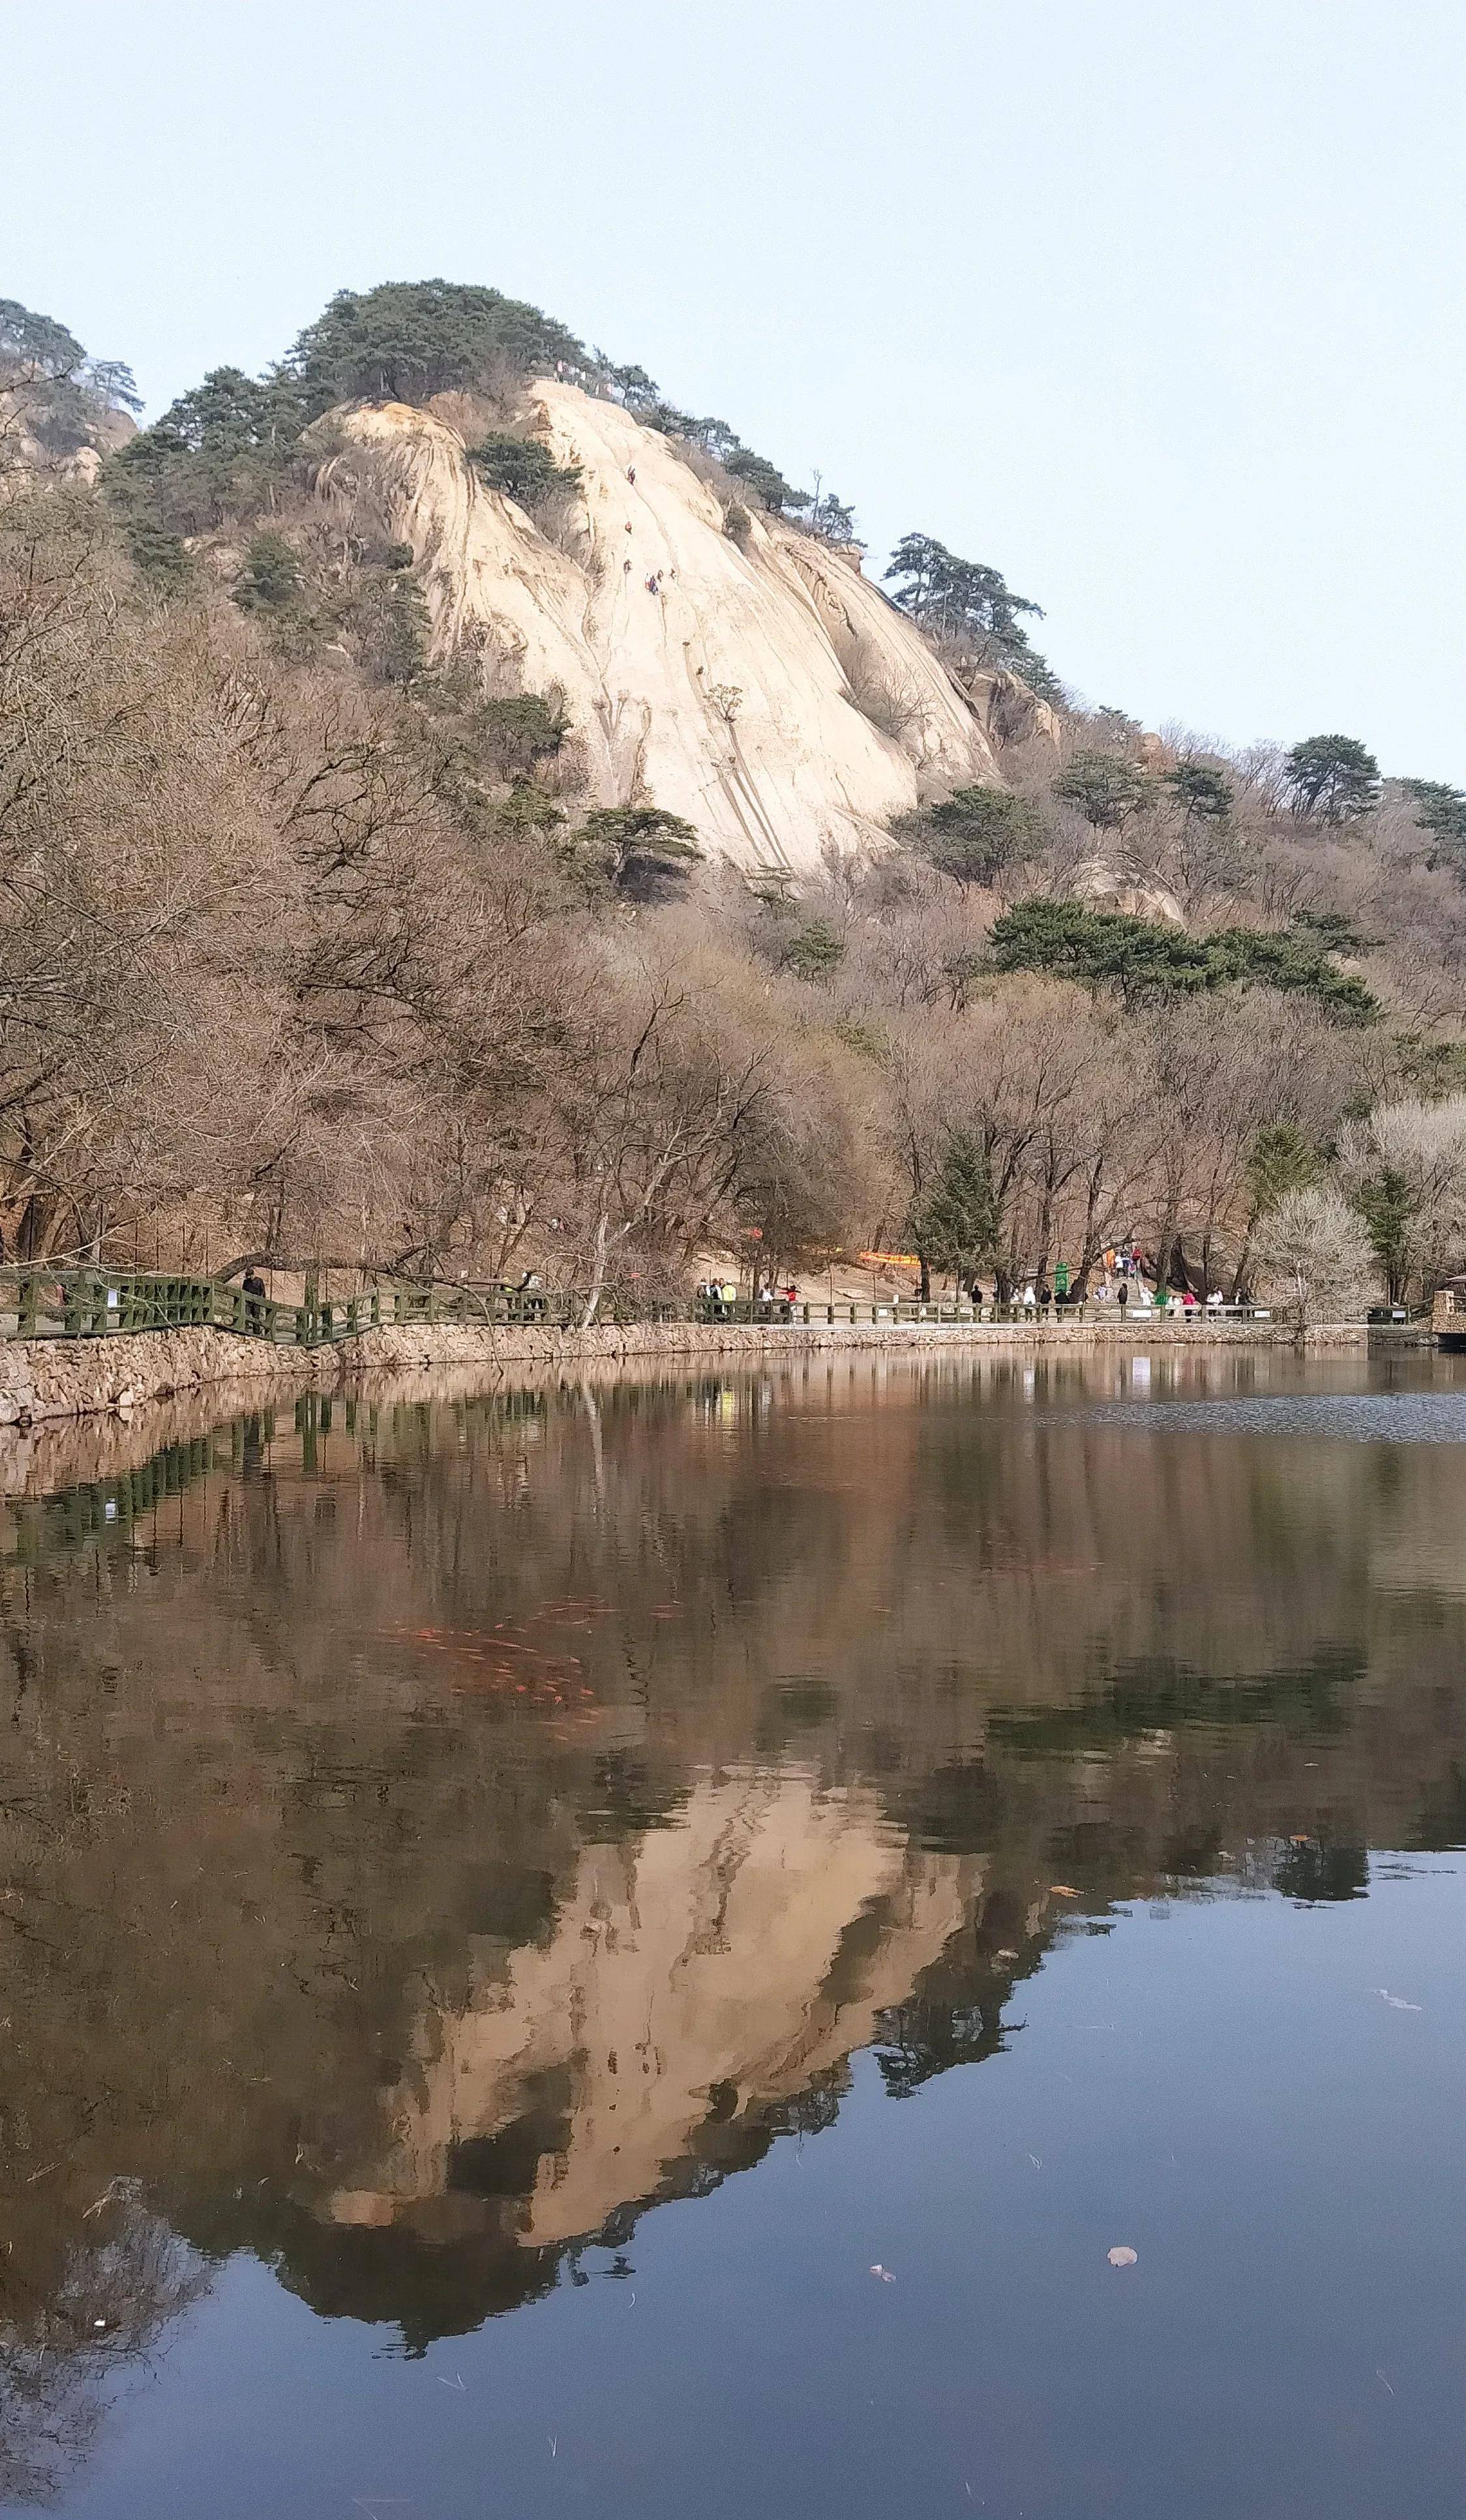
45,1379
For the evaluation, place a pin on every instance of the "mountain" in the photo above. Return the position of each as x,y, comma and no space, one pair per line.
738,670
521,782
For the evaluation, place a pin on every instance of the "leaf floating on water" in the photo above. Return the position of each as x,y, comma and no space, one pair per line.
1123,2257
883,2273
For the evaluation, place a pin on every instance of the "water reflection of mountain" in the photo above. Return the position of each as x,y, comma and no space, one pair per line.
435,1832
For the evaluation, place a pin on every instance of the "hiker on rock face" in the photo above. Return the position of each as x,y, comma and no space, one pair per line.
631,472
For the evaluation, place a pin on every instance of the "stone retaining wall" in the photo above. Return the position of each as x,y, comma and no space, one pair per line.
45,1379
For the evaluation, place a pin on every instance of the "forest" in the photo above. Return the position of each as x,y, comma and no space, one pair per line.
312,946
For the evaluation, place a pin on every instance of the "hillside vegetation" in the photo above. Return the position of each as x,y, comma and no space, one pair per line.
392,874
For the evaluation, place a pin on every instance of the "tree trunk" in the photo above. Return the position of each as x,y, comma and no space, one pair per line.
597,1270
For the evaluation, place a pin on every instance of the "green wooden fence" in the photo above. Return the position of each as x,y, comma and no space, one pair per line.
98,1303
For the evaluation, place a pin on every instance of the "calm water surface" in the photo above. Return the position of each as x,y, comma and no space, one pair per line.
633,1950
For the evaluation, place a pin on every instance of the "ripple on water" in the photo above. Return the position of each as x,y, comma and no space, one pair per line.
1347,1418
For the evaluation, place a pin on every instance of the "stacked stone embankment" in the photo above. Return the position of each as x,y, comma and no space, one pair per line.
48,1378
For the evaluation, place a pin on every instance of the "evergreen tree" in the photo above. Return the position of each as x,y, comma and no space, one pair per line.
830,517
975,835
631,387
36,344
1199,793
1106,788
1144,959
1388,1209
634,849
62,394
523,468
408,339
1440,811
1105,948
954,1223
270,582
1281,1158
216,453
970,604
764,479
1332,779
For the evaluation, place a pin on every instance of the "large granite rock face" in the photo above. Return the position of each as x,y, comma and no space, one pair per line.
751,681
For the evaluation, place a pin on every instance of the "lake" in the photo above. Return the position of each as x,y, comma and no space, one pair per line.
643,1947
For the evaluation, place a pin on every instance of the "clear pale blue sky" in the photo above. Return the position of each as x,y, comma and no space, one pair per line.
1157,307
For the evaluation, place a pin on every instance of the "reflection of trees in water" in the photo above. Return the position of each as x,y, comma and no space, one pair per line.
64,2355
316,1739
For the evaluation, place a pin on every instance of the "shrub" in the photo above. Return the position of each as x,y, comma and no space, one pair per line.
892,708
813,951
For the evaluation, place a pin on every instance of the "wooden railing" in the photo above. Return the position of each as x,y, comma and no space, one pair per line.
96,1303
1138,1316
99,1303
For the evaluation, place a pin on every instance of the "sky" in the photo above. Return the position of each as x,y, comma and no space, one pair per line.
1155,308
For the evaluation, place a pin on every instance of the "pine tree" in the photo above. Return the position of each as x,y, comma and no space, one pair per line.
954,1224
1332,779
